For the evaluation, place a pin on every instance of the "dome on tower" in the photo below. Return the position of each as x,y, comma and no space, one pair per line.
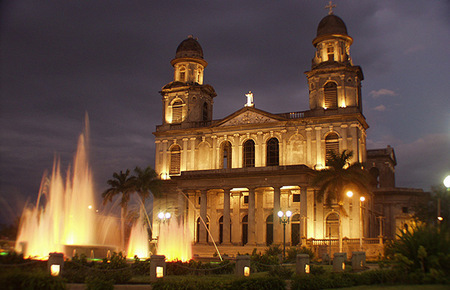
189,48
331,24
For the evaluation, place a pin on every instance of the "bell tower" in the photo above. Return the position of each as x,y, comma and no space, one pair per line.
334,82
186,99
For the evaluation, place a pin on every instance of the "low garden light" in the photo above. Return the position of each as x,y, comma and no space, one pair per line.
284,219
55,263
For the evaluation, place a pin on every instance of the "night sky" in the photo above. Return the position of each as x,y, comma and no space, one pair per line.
60,59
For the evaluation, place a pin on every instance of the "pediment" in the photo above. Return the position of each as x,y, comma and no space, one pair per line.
248,116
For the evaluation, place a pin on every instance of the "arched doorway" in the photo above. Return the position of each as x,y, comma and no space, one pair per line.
269,230
200,224
221,230
245,230
332,225
295,230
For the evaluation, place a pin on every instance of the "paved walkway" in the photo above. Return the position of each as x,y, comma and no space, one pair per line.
116,287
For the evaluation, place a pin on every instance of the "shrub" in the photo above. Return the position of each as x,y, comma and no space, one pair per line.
98,283
281,272
17,279
293,251
422,248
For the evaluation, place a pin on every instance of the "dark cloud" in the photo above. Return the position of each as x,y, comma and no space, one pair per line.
60,59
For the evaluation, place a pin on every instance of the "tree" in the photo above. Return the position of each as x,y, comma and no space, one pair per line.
146,182
121,183
340,176
427,211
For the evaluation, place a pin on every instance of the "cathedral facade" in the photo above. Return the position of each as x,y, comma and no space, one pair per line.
227,179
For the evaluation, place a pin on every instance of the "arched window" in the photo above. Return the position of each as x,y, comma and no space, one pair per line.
221,230
269,230
225,161
331,146
332,225
330,95
375,174
295,230
273,153
245,230
175,160
177,112
249,153
205,112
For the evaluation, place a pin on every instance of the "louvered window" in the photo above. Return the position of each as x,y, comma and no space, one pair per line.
226,155
177,112
330,95
273,153
331,145
175,160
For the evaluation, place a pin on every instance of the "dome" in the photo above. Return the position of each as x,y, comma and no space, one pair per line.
189,48
331,24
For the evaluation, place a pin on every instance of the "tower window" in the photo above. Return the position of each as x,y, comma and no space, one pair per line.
175,160
273,152
330,52
296,197
330,95
331,146
177,112
249,153
182,75
205,111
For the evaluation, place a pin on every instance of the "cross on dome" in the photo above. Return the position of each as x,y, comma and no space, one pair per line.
330,7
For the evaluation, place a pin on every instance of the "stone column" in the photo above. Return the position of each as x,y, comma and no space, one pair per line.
261,224
192,159
184,155
303,214
344,136
251,217
319,159
277,231
236,229
226,216
308,146
203,208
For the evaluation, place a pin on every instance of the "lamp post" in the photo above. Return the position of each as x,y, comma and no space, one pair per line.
361,200
284,219
447,185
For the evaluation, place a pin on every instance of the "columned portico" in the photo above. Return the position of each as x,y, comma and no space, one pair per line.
226,216
251,217
203,208
277,238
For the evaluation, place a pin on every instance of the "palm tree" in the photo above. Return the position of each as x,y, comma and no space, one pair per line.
121,183
339,177
147,182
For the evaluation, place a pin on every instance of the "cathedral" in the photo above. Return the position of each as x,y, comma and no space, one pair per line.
228,179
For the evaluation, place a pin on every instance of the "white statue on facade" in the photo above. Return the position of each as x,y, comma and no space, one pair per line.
249,99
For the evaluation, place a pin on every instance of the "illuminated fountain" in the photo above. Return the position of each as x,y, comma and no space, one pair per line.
174,241
65,218
138,244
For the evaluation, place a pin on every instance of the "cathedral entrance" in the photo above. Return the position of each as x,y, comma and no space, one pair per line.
245,230
269,230
295,230
332,225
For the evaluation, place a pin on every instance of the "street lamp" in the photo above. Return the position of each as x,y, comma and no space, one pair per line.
361,200
162,218
284,219
447,185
